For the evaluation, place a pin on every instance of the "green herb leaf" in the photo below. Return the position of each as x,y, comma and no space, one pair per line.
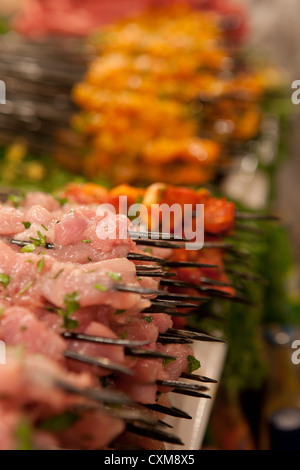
25,289
86,241
193,364
41,241
167,361
58,273
119,312
71,302
4,280
148,319
99,287
124,335
60,422
45,228
114,276
68,323
40,265
26,224
28,248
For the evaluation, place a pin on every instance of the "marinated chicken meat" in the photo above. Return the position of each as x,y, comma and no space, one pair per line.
50,294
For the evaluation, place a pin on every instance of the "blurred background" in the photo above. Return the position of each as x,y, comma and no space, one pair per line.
46,50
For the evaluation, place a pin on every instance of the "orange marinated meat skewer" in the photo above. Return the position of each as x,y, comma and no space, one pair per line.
164,98
219,220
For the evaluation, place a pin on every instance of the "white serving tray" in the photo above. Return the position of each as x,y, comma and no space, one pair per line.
191,432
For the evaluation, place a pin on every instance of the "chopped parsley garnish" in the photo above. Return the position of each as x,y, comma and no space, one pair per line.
99,287
138,278
193,364
72,304
4,280
114,276
148,319
29,261
148,250
124,335
23,328
25,289
28,248
58,273
86,241
167,361
45,228
41,241
26,224
59,422
40,265
119,312
90,259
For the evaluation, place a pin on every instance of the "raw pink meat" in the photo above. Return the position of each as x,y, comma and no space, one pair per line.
94,431
28,379
79,234
181,352
58,279
138,329
43,199
141,393
10,220
9,420
114,353
162,321
19,326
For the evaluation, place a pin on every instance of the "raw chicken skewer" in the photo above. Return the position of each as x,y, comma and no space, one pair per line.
45,283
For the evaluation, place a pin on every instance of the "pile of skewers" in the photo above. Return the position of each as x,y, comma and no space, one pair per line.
39,76
93,328
88,322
